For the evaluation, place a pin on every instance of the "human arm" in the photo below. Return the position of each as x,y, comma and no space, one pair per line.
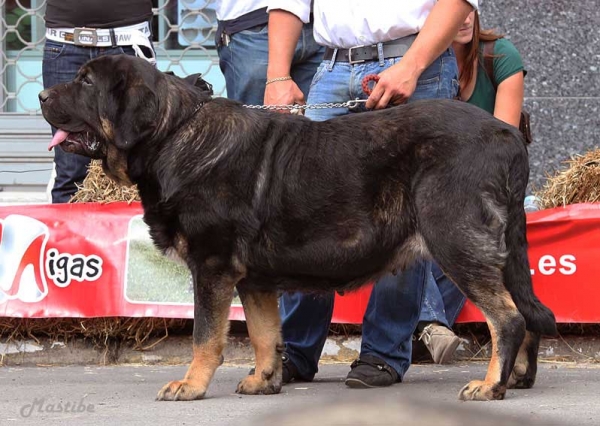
284,32
397,84
509,99
508,73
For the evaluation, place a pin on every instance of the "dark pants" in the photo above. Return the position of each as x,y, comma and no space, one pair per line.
60,65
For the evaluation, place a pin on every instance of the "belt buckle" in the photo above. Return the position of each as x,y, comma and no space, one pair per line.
350,61
85,37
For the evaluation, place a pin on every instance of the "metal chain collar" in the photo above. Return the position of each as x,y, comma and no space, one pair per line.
348,104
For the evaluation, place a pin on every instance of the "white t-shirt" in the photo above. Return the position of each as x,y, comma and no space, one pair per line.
231,9
348,23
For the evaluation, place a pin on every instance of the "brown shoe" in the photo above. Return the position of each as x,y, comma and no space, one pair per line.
440,341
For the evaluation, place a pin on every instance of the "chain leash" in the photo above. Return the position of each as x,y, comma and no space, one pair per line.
296,109
348,104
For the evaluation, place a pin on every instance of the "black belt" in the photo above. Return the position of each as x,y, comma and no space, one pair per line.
358,54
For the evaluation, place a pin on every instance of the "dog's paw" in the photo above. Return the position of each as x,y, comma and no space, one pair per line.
180,390
255,385
478,390
520,378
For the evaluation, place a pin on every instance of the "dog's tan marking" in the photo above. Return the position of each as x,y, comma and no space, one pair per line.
389,203
264,328
116,165
491,388
178,251
165,112
206,359
353,240
107,128
207,355
413,248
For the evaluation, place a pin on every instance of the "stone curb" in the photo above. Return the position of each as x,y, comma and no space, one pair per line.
177,350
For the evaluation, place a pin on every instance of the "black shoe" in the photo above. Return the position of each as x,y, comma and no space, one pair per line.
289,371
371,372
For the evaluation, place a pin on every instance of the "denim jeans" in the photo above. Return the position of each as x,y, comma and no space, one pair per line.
442,301
60,65
244,63
394,307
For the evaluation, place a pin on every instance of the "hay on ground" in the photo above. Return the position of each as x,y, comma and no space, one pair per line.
99,331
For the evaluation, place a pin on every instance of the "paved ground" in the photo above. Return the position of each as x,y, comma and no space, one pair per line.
124,395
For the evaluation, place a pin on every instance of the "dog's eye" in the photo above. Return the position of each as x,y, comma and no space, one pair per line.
85,80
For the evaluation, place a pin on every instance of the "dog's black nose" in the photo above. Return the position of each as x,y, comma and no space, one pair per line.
43,96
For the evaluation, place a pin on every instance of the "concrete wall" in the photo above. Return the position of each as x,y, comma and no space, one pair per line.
560,44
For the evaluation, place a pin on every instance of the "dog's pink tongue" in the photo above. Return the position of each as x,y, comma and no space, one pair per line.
59,137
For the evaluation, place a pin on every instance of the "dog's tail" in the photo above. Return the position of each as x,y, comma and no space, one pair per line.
517,272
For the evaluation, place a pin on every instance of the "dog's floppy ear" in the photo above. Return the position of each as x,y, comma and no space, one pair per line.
136,115
199,82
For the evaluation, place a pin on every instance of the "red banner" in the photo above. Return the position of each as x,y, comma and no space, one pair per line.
94,260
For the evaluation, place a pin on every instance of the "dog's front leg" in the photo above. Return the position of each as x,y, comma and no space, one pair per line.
264,328
213,293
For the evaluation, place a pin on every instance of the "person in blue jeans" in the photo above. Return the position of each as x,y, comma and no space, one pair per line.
242,41
112,27
408,47
443,301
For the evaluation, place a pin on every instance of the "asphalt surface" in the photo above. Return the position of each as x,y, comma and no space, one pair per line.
566,394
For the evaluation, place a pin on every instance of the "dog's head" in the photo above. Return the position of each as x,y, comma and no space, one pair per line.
112,105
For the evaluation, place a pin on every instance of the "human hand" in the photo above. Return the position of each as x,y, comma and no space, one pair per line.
283,93
395,86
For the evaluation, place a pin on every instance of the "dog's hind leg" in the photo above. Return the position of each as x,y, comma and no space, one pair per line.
264,328
517,277
507,330
525,369
213,293
473,259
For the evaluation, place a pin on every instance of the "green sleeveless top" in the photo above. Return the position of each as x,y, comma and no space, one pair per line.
507,62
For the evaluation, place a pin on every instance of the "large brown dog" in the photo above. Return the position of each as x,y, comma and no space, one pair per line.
269,202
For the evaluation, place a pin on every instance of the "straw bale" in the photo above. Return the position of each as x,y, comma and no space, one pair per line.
579,183
97,187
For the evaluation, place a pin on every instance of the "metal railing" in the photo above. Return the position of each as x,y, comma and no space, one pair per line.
183,36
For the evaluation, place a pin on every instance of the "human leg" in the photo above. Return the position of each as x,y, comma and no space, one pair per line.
305,324
306,318
442,303
60,64
391,317
432,310
243,62
384,324
306,60
453,299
